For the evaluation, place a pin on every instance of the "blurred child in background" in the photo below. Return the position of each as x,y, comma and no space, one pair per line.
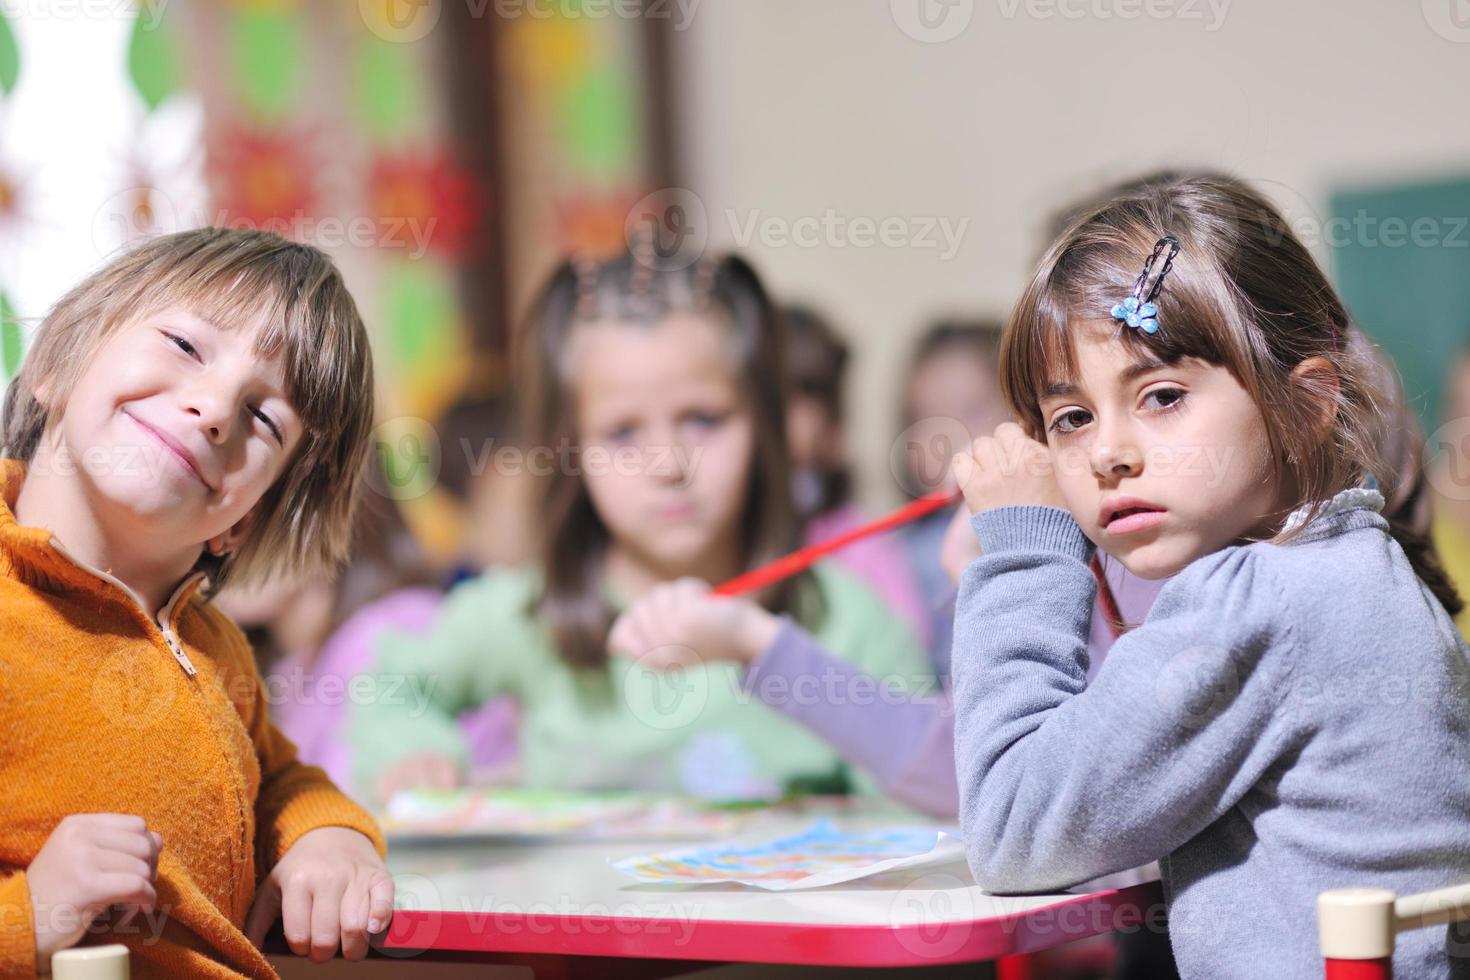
821,477
950,393
481,468
1451,482
656,417
320,637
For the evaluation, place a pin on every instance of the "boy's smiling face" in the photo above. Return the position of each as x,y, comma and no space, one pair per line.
179,427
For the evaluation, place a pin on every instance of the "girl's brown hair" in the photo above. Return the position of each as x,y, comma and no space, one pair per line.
1245,294
233,278
636,290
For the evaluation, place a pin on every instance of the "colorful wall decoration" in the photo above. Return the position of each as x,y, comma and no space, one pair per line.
576,103
11,343
99,143
319,122
161,183
324,126
325,129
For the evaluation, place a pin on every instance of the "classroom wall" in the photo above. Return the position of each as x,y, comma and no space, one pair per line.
801,109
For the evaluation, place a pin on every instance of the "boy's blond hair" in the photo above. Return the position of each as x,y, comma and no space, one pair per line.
233,278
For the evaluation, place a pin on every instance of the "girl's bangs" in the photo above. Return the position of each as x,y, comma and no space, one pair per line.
1041,344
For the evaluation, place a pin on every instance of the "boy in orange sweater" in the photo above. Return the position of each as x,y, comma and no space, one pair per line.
198,411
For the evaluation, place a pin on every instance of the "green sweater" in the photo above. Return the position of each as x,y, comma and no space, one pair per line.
620,726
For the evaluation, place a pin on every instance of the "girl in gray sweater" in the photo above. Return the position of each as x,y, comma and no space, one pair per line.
1294,713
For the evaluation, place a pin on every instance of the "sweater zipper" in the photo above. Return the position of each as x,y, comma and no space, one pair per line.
165,616
171,639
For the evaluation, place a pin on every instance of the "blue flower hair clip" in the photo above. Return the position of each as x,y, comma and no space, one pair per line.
1139,311
1140,316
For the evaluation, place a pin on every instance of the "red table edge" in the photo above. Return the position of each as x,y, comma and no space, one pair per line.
792,943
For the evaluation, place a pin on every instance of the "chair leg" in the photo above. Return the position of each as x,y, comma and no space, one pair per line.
1360,969
1355,928
1017,967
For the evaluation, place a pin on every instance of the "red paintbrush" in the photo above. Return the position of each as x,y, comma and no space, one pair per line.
759,578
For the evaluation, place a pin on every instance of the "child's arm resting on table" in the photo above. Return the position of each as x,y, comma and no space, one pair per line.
1061,782
323,854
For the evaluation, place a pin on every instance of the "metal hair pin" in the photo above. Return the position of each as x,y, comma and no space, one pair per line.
1138,310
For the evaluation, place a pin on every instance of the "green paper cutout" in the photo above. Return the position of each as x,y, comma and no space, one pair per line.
267,50
9,57
600,122
152,56
390,92
11,342
420,306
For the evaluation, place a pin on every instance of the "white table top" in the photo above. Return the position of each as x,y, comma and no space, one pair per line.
564,896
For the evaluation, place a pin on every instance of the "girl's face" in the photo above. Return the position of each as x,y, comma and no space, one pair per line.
1159,464
177,427
667,438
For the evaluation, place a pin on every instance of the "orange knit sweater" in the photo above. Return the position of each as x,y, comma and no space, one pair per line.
99,712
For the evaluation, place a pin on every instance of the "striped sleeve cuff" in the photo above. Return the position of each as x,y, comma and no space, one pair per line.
314,807
17,927
1031,527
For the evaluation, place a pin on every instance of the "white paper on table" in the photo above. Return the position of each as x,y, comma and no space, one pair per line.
820,855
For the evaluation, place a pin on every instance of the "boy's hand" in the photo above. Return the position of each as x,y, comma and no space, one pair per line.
1006,469
422,770
330,886
682,624
91,861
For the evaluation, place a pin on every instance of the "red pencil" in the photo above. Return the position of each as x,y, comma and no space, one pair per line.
781,568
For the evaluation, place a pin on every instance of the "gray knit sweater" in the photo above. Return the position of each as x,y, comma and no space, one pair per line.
1288,719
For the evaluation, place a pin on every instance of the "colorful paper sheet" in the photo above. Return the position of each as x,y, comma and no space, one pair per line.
820,855
515,813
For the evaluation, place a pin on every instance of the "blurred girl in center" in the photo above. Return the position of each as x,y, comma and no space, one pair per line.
655,411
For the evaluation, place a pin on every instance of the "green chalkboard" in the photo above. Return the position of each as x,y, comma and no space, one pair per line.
1401,259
